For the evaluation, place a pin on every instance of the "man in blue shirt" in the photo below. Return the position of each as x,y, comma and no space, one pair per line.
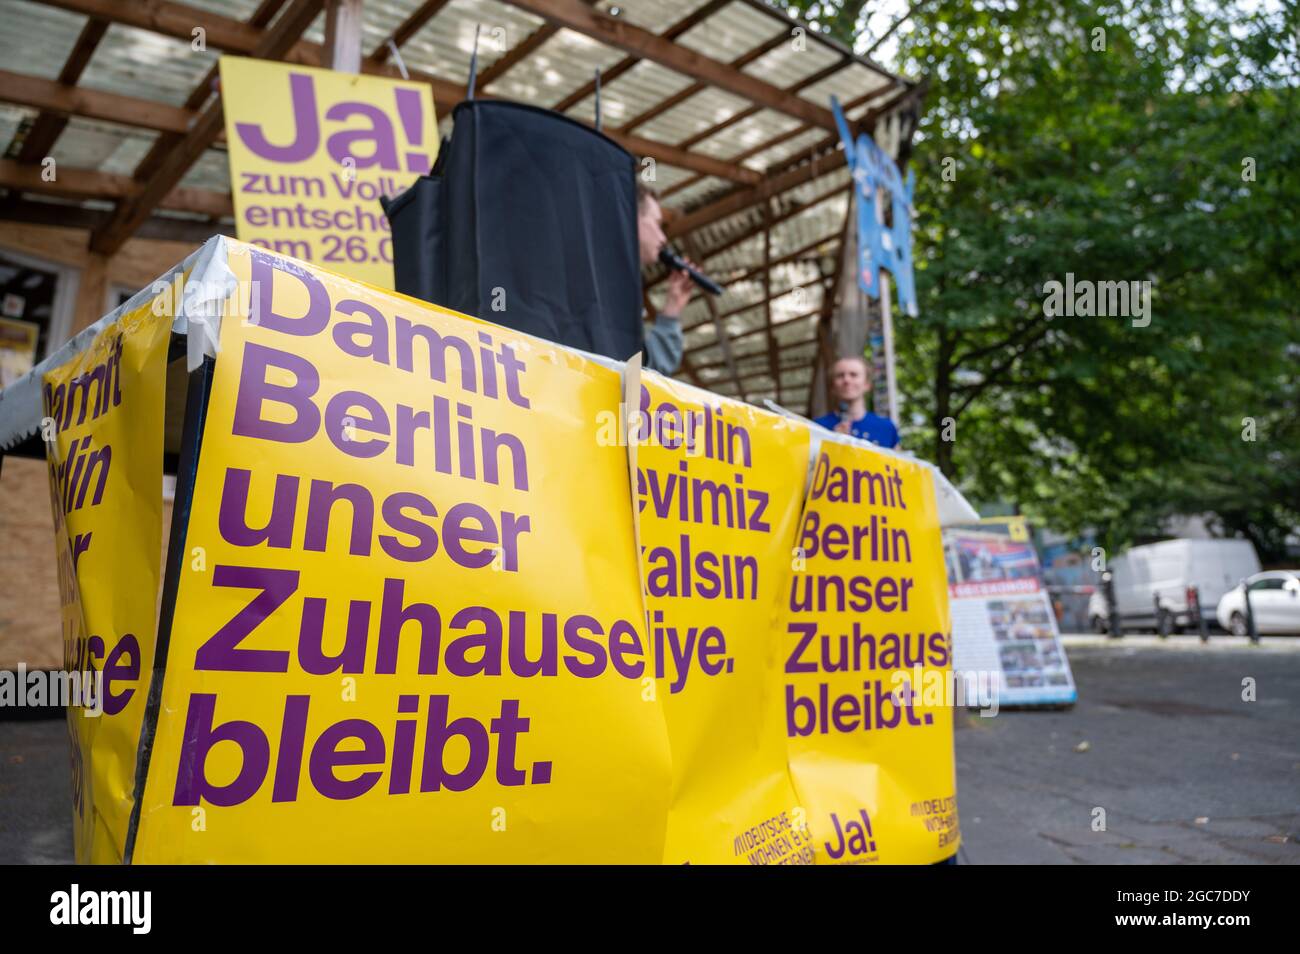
851,381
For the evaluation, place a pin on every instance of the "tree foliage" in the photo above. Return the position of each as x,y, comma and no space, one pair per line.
1135,140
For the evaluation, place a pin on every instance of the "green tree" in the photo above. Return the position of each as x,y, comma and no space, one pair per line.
1135,140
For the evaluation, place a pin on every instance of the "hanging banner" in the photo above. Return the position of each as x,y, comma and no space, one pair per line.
428,608
866,652
311,153
719,486
880,245
411,624
104,424
1004,628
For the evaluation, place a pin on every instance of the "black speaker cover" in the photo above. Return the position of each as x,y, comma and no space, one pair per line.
528,219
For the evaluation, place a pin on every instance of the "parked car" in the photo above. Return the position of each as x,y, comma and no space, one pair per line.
1170,569
1274,599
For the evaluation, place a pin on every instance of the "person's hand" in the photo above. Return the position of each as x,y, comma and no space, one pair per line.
844,427
679,291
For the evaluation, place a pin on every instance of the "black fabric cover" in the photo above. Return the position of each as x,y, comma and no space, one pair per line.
541,207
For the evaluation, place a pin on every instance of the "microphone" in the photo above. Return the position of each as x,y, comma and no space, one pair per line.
675,262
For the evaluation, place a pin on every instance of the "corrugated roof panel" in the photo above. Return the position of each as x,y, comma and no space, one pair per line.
848,84
10,119
737,259
707,356
692,194
146,65
701,335
86,144
632,93
701,111
653,15
762,127
212,171
800,356
784,150
665,177
444,44
789,332
739,295
564,63
730,33
36,39
787,64
799,300
234,9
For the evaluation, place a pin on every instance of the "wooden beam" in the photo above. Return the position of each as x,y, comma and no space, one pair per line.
697,87
176,19
720,330
617,32
823,330
767,297
47,128
170,19
131,214
803,84
512,56
696,162
810,164
761,329
52,97
766,8
763,268
343,35
749,307
205,89
622,66
406,29
163,228
762,146
791,211
92,184
742,198
764,372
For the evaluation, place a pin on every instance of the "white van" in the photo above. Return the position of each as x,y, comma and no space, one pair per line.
1170,568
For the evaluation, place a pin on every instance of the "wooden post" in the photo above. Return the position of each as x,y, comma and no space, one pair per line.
887,326
343,35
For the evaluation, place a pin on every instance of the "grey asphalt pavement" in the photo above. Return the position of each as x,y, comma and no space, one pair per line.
1161,739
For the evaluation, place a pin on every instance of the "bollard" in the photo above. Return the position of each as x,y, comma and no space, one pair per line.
1250,613
1112,606
1162,618
1194,605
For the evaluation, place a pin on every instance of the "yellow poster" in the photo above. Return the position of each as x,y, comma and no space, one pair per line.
867,655
17,349
410,624
719,487
104,411
311,153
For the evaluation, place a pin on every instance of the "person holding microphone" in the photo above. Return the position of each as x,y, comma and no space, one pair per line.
851,382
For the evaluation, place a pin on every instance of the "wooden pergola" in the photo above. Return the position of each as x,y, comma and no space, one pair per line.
729,98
